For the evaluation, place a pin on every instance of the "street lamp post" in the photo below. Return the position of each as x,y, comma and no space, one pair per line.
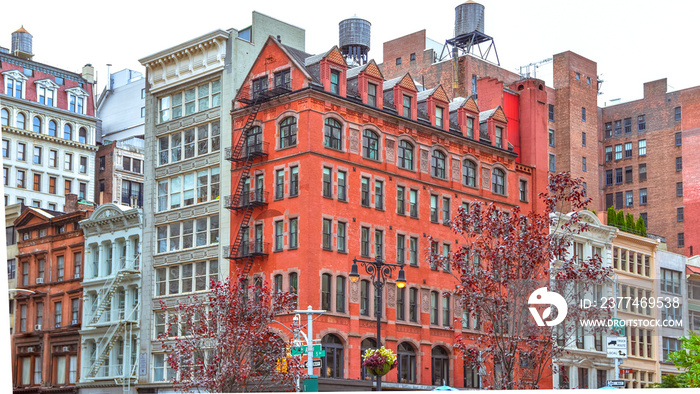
379,271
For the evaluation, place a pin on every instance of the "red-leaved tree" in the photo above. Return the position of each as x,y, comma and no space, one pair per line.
504,258
224,342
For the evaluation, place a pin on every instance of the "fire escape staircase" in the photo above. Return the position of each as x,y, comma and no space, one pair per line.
107,291
243,201
107,342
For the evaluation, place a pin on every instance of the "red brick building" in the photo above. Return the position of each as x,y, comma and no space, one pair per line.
649,168
342,163
46,344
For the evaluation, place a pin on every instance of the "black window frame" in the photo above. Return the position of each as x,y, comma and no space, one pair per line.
370,145
288,132
333,134
405,155
436,169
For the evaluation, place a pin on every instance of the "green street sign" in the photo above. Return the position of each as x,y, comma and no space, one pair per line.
618,325
297,350
319,353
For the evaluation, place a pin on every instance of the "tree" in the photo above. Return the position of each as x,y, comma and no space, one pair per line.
641,227
504,259
612,216
620,220
224,342
631,226
688,360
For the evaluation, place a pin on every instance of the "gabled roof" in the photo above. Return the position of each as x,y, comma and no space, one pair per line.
370,68
332,54
497,113
31,212
437,92
468,103
406,81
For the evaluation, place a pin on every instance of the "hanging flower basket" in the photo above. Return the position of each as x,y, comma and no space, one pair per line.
379,361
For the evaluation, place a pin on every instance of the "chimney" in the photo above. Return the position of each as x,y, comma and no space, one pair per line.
88,73
22,44
71,203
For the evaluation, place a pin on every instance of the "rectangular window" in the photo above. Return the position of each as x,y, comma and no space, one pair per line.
470,127
583,139
446,211
523,190
21,179
364,297
342,186
340,294
643,196
628,150
364,242
642,172
679,139
618,176
679,189
279,184
618,152
628,125
629,201
551,137
642,144
608,177
365,192
681,240
413,304
679,163
21,151
679,214
438,116
400,200
378,243
583,114
413,203
279,235
327,185
335,82
283,79
327,235
608,153
372,94
618,127
618,200
628,174
433,208
551,112
293,233
293,181
378,195
400,248
641,123
400,304
583,164
6,148
57,316
341,236
499,137
608,129
677,114
552,163
68,162
407,106
37,182
413,251
37,155
434,307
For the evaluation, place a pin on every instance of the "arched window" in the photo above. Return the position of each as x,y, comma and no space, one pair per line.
52,128
288,132
20,121
438,164
469,173
333,134
36,126
406,155
67,132
332,364
498,181
370,145
254,140
368,343
407,363
441,366
82,135
5,117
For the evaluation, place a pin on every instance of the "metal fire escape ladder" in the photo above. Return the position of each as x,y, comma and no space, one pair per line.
242,152
105,294
104,347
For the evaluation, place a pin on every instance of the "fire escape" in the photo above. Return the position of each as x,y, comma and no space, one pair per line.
248,150
124,375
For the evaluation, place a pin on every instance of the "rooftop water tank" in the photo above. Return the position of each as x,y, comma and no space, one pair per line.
354,39
469,17
22,43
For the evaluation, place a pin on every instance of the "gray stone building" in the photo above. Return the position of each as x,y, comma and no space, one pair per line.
671,284
189,88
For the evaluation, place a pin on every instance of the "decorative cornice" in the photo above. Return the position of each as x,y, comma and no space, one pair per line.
15,74
78,91
47,83
45,137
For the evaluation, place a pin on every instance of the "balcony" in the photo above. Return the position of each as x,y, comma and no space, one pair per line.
250,199
248,249
248,152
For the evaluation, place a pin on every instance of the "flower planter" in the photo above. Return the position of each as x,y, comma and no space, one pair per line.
380,371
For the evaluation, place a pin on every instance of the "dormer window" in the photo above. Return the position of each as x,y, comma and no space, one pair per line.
438,117
283,79
407,106
499,137
14,83
470,127
77,99
259,85
335,81
372,94
46,91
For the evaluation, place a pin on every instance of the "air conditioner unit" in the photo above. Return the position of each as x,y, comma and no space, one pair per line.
30,348
66,348
58,325
39,280
77,276
74,322
37,327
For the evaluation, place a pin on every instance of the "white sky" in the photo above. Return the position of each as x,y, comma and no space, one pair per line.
632,41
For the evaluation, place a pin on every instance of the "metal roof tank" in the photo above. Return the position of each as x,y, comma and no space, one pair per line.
21,42
469,17
354,32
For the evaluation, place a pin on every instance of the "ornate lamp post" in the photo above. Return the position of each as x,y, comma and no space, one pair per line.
379,271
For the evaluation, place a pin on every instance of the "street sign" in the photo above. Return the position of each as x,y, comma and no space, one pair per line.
619,343
618,325
616,383
319,353
297,350
626,370
317,364
617,353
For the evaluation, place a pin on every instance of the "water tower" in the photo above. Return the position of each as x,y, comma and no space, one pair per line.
469,34
22,44
354,40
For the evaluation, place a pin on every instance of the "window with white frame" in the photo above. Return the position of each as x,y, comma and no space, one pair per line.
46,92
186,278
14,83
188,189
190,143
77,100
190,101
188,234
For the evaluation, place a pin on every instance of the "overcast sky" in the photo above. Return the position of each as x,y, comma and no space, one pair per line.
632,41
